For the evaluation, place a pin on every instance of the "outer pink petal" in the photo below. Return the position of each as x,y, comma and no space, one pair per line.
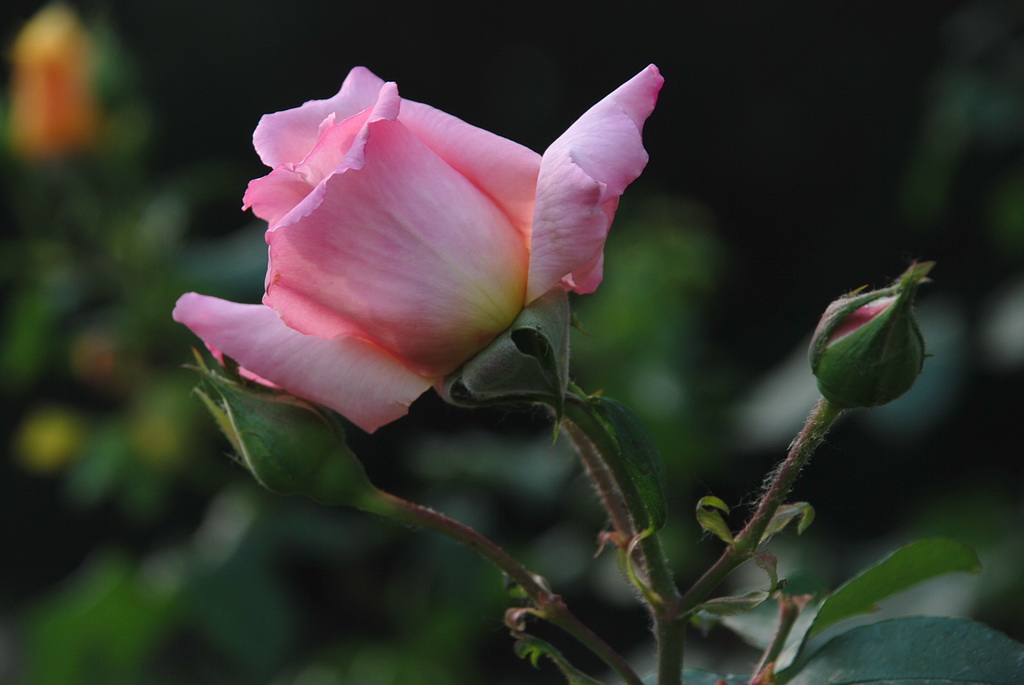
288,136
404,250
506,171
349,375
582,175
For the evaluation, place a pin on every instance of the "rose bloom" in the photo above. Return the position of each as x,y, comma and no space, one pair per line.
403,240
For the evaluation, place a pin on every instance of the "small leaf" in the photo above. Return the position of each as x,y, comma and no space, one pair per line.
730,606
533,648
712,501
712,521
919,650
904,568
640,457
529,651
787,513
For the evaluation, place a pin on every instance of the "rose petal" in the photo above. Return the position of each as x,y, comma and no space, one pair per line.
288,136
278,194
347,374
291,191
582,175
506,171
405,250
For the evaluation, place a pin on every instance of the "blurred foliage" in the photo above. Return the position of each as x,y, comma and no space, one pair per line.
133,550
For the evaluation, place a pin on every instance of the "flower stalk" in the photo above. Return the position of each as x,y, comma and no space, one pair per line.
618,515
547,605
747,542
619,493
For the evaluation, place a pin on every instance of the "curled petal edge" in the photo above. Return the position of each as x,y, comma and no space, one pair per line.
582,175
287,136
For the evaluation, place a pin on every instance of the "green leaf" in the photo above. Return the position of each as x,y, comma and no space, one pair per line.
787,513
533,648
710,520
913,651
730,606
902,569
640,457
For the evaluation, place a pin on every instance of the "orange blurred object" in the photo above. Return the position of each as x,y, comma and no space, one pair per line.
53,103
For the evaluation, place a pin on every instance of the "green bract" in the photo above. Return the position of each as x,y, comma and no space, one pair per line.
868,349
289,445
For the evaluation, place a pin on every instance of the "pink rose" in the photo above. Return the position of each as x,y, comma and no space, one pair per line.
403,240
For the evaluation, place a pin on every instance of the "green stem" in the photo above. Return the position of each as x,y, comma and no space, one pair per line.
807,441
671,634
789,611
781,482
664,597
609,493
549,606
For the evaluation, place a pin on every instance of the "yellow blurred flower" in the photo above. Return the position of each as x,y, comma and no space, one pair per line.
49,439
53,104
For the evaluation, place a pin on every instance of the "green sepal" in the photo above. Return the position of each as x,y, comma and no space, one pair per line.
711,520
528,362
289,445
640,458
880,359
220,417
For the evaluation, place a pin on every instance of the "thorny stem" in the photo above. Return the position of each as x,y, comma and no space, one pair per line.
549,606
746,543
620,495
611,498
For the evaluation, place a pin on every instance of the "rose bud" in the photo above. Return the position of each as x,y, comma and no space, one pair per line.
289,445
403,240
53,103
868,349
